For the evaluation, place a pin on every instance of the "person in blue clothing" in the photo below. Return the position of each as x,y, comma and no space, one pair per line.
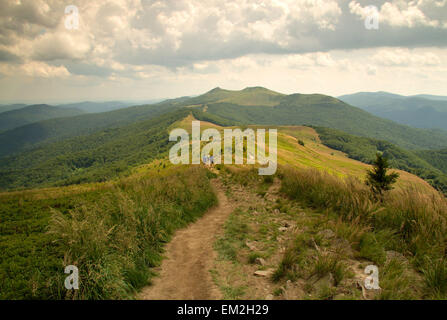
211,160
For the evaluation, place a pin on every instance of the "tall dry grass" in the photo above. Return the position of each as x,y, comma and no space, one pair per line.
415,221
319,189
116,240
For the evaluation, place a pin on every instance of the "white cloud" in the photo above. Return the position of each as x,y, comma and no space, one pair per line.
195,43
371,70
61,45
405,57
35,69
38,69
400,13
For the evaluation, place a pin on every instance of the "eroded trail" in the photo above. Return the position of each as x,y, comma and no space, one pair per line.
189,256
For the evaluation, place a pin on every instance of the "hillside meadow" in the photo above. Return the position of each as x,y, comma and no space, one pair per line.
316,232
301,147
113,232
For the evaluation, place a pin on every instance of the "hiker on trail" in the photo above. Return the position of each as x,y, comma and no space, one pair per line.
211,160
206,160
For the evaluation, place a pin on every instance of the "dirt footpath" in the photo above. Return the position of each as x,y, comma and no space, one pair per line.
184,273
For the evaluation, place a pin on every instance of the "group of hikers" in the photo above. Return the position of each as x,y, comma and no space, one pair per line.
208,160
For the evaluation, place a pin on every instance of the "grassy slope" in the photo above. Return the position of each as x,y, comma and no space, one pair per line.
31,262
316,233
251,96
114,232
314,154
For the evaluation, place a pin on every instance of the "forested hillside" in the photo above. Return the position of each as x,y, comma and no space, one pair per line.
417,111
29,136
437,158
96,107
96,157
34,113
249,106
8,107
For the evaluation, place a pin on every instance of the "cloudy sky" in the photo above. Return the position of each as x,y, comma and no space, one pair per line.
144,49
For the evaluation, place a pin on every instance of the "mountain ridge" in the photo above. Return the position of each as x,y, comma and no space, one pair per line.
34,113
319,110
252,105
416,111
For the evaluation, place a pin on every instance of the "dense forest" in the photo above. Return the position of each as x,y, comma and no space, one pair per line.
96,157
29,136
437,158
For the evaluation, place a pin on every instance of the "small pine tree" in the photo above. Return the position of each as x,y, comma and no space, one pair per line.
378,179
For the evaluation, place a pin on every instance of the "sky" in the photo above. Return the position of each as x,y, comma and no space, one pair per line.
56,50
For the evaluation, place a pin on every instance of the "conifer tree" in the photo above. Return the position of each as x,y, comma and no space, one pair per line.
378,179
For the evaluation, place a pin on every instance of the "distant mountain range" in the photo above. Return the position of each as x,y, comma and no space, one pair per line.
8,107
431,97
95,107
86,106
96,146
253,105
421,111
22,116
271,108
16,115
51,130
